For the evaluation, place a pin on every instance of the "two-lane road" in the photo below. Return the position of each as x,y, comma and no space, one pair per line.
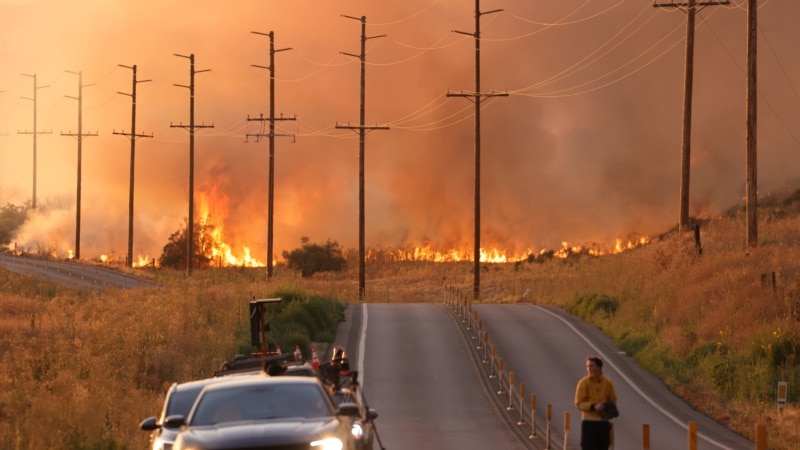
420,373
547,350
72,273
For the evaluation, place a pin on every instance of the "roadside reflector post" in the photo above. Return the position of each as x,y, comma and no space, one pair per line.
491,362
479,334
645,437
566,427
761,436
521,408
500,376
533,416
692,435
485,347
783,390
510,391
548,418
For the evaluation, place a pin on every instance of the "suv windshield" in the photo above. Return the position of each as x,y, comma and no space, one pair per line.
181,401
260,402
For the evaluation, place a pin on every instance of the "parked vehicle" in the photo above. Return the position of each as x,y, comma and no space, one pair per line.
266,412
179,400
362,426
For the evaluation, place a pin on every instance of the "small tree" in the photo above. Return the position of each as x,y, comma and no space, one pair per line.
312,258
174,253
11,218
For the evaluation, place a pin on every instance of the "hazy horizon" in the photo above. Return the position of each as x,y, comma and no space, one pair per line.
585,148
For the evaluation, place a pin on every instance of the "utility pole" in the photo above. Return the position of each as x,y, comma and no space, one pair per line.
191,127
80,136
2,133
132,135
751,202
35,133
362,130
477,97
271,135
691,7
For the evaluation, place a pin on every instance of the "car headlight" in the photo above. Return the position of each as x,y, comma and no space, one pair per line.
328,444
357,431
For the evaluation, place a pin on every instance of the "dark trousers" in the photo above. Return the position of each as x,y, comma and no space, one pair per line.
595,435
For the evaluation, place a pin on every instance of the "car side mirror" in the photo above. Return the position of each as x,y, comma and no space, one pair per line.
174,421
347,409
372,414
150,424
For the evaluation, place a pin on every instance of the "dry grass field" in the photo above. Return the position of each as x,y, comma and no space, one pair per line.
721,326
80,369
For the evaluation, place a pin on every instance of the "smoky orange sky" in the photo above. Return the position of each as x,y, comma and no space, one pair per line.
585,148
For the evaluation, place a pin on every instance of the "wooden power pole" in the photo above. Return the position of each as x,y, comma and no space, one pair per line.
271,135
477,97
691,7
362,130
80,134
751,196
35,133
132,135
192,126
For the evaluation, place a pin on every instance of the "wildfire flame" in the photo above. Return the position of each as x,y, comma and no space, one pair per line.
497,254
213,208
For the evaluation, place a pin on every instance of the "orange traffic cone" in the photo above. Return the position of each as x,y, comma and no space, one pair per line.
314,358
298,355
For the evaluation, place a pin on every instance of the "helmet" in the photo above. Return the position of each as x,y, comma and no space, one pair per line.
338,355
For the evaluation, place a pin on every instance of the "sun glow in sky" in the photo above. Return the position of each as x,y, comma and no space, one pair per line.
585,148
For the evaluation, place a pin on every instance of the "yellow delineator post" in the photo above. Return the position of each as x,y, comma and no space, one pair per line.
485,347
692,435
491,362
548,418
511,379
521,399
500,365
761,436
533,417
566,427
645,437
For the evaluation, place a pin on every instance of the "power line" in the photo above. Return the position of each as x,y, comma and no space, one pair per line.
80,134
271,135
362,130
132,135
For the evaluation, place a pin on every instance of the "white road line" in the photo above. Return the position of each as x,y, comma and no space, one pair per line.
631,383
362,343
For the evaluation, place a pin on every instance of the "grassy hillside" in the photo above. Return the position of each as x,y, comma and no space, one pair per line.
720,323
721,327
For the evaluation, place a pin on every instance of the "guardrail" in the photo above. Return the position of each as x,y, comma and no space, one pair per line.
522,407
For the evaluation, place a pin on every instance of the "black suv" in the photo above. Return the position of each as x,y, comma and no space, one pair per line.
263,412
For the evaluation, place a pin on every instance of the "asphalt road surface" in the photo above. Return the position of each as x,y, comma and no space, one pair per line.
419,372
72,273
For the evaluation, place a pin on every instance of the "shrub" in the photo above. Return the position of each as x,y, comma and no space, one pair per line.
312,258
596,304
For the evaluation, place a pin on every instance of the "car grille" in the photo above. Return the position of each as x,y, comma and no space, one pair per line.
276,447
